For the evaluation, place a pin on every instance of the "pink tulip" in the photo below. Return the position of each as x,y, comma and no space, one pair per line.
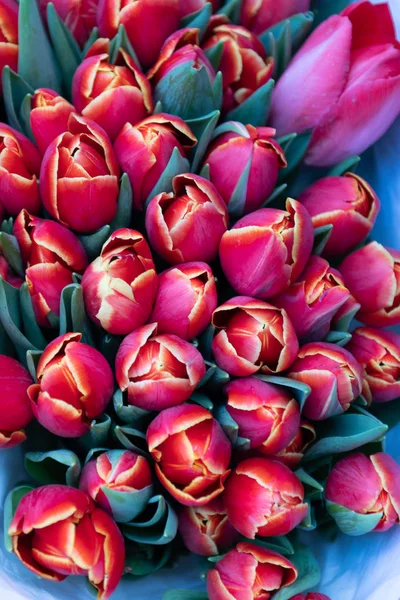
78,15
48,117
349,204
372,275
158,371
120,285
16,412
334,376
294,452
270,244
185,301
249,571
187,224
263,497
253,336
353,102
191,453
259,15
9,36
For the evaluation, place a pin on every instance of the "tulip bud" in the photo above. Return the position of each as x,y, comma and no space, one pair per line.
79,177
120,285
187,224
378,353
111,94
253,336
191,452
9,35
248,150
259,15
249,571
206,530
334,376
263,497
185,300
294,452
57,531
119,482
158,371
75,384
49,116
19,170
314,299
79,17
310,596
154,140
273,245
372,275
368,488
267,416
15,406
349,204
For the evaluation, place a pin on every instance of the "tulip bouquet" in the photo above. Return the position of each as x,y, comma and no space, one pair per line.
184,246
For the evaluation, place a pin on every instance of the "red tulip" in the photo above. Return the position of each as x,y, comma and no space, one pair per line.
378,352
310,596
245,147
349,204
185,300
253,336
45,283
244,64
249,571
78,15
79,177
158,371
259,15
57,531
8,36
367,486
272,245
334,376
187,224
16,412
111,94
187,7
75,384
266,415
49,116
148,23
144,150
19,171
120,285
294,452
191,452
351,104
206,530
314,299
372,275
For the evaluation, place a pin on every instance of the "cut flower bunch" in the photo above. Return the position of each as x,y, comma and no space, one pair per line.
197,328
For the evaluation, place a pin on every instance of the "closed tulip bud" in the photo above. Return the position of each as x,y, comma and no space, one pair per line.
15,407
75,384
378,353
79,177
259,15
245,148
48,117
352,104
111,94
78,15
379,292
206,530
267,416
153,140
119,482
120,285
367,486
187,7
187,224
157,371
186,298
253,336
349,204
273,245
9,35
250,571
294,452
19,172
57,531
310,596
263,497
334,376
314,299
191,453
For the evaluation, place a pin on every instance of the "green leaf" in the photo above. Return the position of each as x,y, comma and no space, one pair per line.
340,338
295,154
36,62
10,316
309,481
6,346
144,559
347,166
8,224
128,413
10,250
65,47
323,9
214,377
184,595
299,26
25,117
93,37
158,525
205,341
309,573
73,316
255,109
126,506
123,218
214,55
237,201
300,390
199,19
131,439
321,237
234,127
32,361
15,89
309,523
231,429
98,434
57,466
93,242
203,128
11,502
279,544
177,164
121,41
350,522
202,400
231,9
31,328
278,191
